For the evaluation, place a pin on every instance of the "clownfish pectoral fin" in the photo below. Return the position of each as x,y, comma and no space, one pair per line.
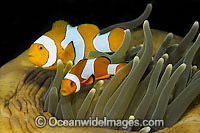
69,53
89,80
103,77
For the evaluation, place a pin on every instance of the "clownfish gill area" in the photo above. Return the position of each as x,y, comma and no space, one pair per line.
160,82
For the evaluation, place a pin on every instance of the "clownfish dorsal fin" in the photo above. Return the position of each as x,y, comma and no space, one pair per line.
57,33
89,80
69,53
88,30
59,25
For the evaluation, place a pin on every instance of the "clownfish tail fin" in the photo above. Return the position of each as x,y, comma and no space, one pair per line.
114,68
121,65
116,38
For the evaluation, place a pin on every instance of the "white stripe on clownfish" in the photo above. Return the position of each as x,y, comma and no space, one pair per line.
75,79
50,46
112,68
72,35
101,42
88,69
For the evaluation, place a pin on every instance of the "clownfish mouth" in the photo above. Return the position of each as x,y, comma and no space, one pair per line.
30,56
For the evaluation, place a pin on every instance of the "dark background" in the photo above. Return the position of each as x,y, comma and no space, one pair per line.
22,23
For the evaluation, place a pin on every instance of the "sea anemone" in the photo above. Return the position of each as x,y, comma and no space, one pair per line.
157,86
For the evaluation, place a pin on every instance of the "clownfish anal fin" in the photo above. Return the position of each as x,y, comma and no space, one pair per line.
89,80
103,77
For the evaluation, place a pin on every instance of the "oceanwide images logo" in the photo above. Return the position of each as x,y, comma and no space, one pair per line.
41,121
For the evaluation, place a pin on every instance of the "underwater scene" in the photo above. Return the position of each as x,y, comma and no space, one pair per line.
118,77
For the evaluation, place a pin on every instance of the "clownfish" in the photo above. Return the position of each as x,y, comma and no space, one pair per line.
67,43
86,71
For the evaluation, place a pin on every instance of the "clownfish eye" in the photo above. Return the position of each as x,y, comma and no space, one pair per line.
71,83
40,47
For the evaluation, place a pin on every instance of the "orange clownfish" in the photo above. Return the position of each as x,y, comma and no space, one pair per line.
66,43
86,72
